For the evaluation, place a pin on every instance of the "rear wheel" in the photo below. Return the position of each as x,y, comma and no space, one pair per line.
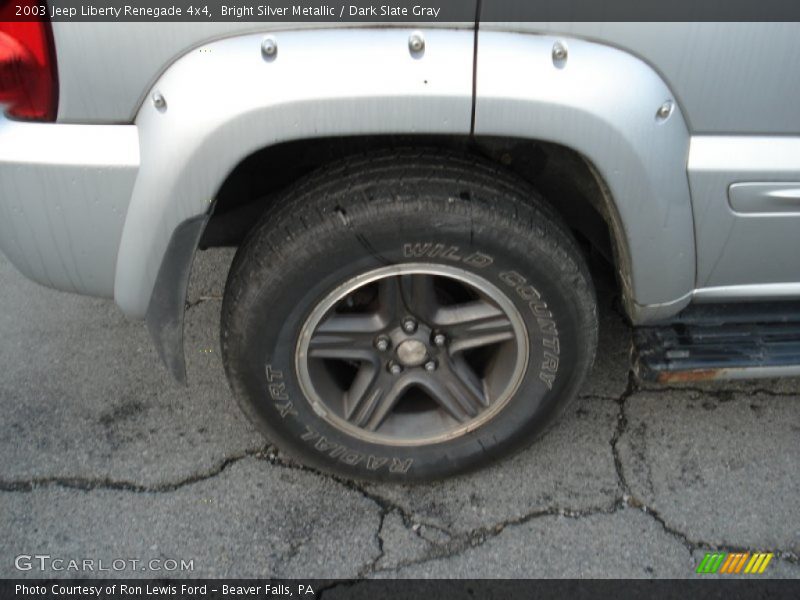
407,316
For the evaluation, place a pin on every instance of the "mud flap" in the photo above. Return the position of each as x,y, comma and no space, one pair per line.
165,311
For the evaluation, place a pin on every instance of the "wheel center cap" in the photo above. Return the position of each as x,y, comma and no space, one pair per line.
412,353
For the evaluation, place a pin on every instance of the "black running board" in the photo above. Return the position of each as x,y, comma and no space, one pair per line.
721,341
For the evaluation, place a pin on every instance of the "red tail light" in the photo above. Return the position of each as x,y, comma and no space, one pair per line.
28,75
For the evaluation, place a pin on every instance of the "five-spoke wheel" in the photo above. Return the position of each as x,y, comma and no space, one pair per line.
412,353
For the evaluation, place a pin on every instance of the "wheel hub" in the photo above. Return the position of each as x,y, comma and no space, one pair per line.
412,353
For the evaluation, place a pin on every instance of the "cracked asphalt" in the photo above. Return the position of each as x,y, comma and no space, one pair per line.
104,457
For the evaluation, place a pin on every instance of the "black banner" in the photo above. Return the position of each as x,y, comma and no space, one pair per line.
414,589
278,11
399,11
640,10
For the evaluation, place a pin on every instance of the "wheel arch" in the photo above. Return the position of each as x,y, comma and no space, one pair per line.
618,113
567,180
204,116
214,118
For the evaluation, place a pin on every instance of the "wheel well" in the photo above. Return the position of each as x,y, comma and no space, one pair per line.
563,176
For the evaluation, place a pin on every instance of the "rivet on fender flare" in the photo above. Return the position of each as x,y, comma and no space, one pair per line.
159,101
560,54
416,43
269,48
665,110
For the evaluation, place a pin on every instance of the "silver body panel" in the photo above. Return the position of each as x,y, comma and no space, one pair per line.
112,65
64,195
758,246
729,78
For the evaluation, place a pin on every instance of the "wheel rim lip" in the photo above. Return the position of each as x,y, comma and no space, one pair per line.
323,307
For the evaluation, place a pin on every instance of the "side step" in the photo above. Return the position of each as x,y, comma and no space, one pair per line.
721,341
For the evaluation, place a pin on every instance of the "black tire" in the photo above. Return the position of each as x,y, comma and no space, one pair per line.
367,212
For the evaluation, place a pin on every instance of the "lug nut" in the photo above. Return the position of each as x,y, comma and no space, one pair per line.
409,325
439,339
395,369
382,343
430,366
